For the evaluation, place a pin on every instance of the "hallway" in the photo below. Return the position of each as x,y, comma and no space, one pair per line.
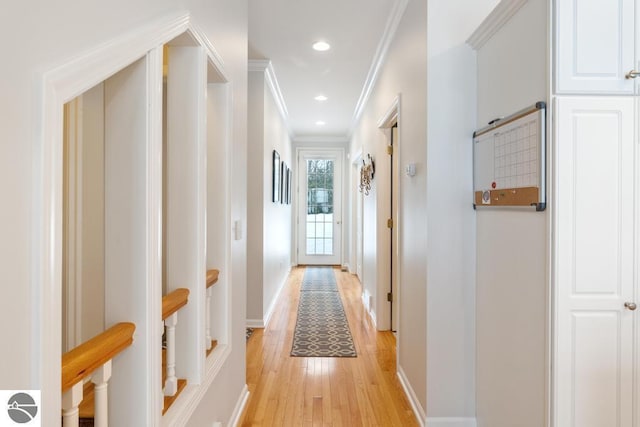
296,391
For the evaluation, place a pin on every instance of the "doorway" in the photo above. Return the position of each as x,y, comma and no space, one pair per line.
389,194
393,229
320,207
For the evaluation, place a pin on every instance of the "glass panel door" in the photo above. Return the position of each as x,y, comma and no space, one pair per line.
319,215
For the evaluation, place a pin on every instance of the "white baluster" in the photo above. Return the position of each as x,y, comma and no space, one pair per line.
208,318
171,384
70,401
100,380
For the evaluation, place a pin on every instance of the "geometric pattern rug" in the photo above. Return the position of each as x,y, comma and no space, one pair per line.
322,329
319,279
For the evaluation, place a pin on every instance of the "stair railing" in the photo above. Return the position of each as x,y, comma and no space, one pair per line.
92,358
171,303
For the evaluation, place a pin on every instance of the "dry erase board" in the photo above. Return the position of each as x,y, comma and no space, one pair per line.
509,160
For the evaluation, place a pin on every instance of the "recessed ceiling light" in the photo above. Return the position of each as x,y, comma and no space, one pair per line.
320,98
321,46
320,123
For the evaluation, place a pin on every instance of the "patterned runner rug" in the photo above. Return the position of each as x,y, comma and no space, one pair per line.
321,329
319,279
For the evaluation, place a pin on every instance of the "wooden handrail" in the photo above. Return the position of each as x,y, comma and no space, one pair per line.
80,362
212,277
174,302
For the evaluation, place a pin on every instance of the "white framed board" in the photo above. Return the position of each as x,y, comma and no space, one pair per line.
509,160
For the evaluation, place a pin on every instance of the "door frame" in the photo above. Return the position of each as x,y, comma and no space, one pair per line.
356,202
390,257
340,153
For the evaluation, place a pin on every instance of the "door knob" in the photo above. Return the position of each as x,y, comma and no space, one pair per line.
632,74
630,306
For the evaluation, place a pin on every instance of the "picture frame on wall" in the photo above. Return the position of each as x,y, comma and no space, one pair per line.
283,168
290,185
276,185
287,183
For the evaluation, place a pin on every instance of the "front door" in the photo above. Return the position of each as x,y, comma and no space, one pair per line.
319,209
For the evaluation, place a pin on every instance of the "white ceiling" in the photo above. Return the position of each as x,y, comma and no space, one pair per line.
283,32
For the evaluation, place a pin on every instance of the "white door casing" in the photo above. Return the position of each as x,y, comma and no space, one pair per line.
594,262
321,224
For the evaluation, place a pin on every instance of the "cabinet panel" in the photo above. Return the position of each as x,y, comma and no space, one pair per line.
594,46
594,261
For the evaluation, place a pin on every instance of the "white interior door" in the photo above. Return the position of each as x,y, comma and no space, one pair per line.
320,207
594,262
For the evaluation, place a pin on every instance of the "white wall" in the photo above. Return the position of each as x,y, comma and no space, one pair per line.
93,212
256,197
430,69
53,34
450,216
511,244
269,227
277,216
404,72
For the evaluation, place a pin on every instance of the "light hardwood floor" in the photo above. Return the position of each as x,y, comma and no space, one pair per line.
323,391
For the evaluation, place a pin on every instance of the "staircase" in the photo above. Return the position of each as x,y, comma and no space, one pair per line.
92,360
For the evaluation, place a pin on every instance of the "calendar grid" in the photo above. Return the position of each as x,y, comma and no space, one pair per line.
516,157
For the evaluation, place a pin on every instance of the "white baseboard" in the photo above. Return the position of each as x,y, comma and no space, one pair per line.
262,323
451,422
255,323
240,404
366,301
418,410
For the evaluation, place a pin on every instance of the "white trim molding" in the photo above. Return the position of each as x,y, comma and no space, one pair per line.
497,19
418,410
265,66
390,117
183,408
451,422
255,323
239,409
381,54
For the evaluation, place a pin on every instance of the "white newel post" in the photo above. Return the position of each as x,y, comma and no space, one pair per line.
171,384
70,402
100,379
208,318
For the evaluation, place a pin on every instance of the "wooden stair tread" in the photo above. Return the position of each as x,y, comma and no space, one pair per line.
87,406
168,400
212,277
214,343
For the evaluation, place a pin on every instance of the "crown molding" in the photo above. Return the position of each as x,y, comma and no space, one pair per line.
497,19
265,66
381,54
259,65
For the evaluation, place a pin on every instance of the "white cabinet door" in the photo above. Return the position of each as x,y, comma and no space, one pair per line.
594,46
594,262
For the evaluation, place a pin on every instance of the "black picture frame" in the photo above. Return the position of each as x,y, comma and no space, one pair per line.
276,187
